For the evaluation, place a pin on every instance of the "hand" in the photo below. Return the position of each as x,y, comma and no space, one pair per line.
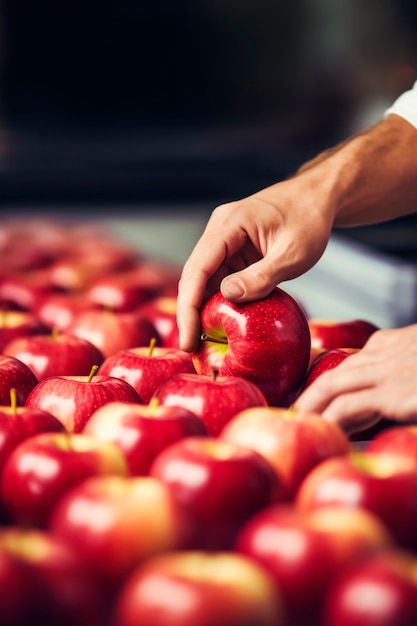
379,381
249,246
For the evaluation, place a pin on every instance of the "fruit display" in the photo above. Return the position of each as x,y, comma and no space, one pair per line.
142,485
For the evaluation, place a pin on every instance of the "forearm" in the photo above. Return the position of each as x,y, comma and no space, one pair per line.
371,177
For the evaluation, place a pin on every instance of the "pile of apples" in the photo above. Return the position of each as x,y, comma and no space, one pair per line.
142,485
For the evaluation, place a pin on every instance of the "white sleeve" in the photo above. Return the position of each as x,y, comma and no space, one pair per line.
405,106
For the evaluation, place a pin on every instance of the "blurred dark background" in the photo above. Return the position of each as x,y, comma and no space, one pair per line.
133,103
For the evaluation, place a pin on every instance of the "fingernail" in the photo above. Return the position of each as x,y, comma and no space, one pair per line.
233,288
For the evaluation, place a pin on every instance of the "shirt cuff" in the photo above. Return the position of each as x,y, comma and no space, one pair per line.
405,106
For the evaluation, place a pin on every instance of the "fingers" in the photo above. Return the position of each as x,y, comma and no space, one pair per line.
252,283
196,274
379,381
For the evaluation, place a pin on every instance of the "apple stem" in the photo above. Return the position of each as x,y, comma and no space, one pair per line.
152,345
54,333
92,372
13,400
154,402
207,337
214,373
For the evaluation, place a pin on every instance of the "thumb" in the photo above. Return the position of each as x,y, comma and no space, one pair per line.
252,283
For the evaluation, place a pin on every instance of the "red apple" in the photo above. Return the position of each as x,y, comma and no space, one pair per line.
111,331
15,324
328,334
325,361
214,399
161,312
40,469
53,587
25,291
57,310
55,354
199,589
18,592
293,442
32,243
266,342
73,399
119,291
384,484
380,590
303,552
222,484
146,368
20,423
117,522
15,374
400,439
142,431
159,277
91,257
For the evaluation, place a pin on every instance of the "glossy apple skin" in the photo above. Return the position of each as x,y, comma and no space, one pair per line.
293,442
15,324
215,400
268,342
161,312
19,424
119,291
400,439
73,399
50,355
199,589
381,589
112,331
142,431
146,371
18,591
325,361
24,291
303,553
40,469
52,586
222,484
15,375
328,334
57,310
383,484
142,518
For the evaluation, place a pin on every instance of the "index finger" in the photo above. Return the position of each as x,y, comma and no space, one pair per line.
204,261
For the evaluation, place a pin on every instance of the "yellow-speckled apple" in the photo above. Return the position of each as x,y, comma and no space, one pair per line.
266,341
